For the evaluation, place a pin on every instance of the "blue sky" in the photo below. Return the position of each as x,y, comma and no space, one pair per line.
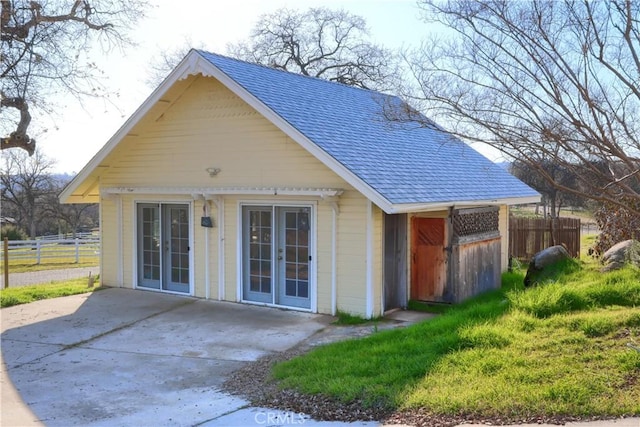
79,131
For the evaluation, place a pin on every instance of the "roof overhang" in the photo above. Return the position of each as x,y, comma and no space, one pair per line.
438,206
84,188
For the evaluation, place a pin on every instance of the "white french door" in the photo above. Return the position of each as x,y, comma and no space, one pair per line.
276,255
163,246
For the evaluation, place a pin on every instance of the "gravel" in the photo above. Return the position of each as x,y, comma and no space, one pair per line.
253,382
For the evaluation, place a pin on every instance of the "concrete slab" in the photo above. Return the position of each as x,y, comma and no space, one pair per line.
13,410
77,318
224,331
122,357
79,387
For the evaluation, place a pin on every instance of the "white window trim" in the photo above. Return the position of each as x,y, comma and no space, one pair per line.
313,271
134,219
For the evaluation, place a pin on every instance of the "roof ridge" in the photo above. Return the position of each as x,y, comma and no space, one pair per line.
298,75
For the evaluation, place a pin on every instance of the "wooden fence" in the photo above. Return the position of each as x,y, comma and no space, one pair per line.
528,236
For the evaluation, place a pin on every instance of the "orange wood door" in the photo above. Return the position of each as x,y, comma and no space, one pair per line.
428,263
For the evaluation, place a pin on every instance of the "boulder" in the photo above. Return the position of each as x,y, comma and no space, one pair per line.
542,260
620,254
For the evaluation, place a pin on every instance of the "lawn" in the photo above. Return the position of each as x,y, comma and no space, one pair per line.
27,294
570,347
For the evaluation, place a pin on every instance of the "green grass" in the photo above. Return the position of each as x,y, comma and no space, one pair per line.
557,349
27,294
350,319
427,307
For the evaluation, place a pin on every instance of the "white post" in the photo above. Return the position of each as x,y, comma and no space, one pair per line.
37,251
77,250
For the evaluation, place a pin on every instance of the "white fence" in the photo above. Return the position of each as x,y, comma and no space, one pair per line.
69,236
37,251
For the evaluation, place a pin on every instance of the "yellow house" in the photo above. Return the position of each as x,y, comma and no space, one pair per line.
239,182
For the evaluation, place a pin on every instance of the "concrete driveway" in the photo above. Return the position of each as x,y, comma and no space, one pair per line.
123,357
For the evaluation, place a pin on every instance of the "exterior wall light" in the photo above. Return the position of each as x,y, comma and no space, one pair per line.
213,171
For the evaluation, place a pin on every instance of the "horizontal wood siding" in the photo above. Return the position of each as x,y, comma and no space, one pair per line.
200,124
127,252
109,251
351,246
208,126
324,223
231,245
199,252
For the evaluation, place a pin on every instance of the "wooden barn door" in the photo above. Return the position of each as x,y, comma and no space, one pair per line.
428,259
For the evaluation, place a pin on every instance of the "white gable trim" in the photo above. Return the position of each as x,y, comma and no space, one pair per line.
186,66
192,64
197,192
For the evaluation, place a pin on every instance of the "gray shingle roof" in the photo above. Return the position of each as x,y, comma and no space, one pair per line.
403,162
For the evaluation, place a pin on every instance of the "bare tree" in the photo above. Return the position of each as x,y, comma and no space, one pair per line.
45,47
330,44
552,199
26,182
69,218
165,60
541,79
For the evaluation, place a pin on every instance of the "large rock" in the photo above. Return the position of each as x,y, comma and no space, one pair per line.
542,260
620,254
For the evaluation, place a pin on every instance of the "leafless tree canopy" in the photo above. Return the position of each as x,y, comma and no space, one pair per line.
542,81
44,53
26,182
330,44
162,62
29,194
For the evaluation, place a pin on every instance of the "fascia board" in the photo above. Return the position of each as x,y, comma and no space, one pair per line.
324,193
187,66
426,207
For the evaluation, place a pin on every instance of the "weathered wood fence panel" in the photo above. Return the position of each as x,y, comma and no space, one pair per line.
527,236
475,268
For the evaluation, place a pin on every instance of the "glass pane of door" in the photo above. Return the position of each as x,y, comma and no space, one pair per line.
163,247
257,253
149,241
176,239
293,257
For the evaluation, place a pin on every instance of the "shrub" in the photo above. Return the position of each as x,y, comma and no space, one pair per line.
12,233
616,225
